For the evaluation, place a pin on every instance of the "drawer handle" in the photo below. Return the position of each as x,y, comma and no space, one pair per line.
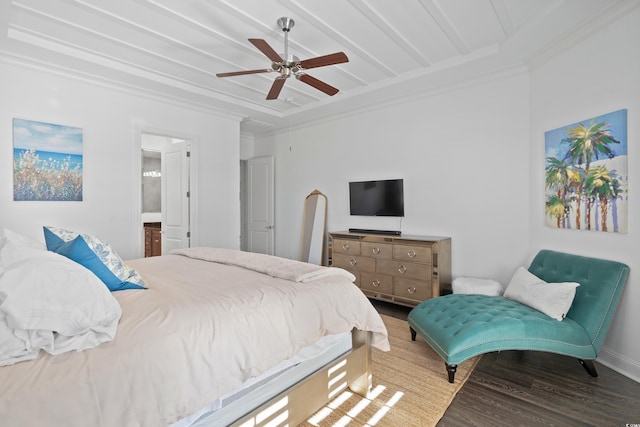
375,250
402,269
411,253
411,290
345,246
353,261
376,283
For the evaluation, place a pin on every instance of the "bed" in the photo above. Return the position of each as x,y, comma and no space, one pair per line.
218,337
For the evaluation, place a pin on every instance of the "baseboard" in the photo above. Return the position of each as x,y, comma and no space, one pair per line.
620,364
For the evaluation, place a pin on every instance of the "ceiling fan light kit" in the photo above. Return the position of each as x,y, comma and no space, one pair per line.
291,65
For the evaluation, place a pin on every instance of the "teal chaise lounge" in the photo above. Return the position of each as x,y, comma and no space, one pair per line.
461,326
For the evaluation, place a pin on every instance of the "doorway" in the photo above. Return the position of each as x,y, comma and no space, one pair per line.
257,205
165,193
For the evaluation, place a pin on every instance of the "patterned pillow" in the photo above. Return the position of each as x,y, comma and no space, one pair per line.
95,255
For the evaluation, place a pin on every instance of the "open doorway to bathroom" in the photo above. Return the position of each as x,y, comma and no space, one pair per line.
165,193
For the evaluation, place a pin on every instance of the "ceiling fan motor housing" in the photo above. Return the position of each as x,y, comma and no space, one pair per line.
286,24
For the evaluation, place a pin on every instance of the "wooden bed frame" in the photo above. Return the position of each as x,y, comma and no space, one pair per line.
298,402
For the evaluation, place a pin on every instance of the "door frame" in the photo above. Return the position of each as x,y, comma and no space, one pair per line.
137,226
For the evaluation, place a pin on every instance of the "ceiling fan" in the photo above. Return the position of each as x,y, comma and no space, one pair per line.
291,65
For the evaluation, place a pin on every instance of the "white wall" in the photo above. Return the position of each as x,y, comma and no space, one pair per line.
597,76
111,120
463,157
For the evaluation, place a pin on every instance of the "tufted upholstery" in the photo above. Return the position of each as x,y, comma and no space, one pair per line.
461,326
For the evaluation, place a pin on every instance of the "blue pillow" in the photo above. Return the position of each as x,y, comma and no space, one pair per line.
95,255
51,240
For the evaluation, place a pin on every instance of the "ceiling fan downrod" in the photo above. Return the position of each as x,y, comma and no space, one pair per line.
286,24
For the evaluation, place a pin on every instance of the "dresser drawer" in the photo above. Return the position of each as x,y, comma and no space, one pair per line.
346,246
411,289
377,250
351,262
411,270
377,283
412,253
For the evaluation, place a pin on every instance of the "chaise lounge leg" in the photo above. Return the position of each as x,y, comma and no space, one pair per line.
589,367
451,370
413,333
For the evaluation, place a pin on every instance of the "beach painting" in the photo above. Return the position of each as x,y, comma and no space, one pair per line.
47,161
586,177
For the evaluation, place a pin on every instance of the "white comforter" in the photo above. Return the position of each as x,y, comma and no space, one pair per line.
199,330
49,303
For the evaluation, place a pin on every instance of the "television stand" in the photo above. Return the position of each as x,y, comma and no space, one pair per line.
366,231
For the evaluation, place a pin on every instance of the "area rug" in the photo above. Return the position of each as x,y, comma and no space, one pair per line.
410,387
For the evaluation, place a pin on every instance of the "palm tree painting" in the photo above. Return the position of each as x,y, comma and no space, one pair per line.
586,175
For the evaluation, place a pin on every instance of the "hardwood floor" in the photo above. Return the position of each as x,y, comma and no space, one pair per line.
527,388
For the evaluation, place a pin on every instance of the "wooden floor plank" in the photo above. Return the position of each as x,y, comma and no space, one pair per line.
558,395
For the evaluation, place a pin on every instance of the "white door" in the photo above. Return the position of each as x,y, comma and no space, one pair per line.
260,205
175,196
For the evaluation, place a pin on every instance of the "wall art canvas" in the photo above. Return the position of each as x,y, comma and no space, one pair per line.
47,161
586,178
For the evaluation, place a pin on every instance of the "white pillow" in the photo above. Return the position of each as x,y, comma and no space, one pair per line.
552,299
51,303
11,236
14,247
474,285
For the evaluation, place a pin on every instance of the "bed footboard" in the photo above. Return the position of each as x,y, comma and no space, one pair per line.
361,363
297,403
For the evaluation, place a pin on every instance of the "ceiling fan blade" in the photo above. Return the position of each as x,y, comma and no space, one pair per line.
264,47
276,87
321,61
240,73
318,84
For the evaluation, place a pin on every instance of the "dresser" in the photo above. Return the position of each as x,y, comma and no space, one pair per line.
404,269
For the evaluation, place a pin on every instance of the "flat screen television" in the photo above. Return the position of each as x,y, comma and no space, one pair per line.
377,198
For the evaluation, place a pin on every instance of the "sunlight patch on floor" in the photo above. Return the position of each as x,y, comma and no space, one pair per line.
386,408
362,404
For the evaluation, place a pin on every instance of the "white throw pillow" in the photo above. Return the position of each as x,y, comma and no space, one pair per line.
14,247
50,302
11,236
473,285
552,299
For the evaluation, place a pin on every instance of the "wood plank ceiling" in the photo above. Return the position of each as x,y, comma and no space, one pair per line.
174,48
